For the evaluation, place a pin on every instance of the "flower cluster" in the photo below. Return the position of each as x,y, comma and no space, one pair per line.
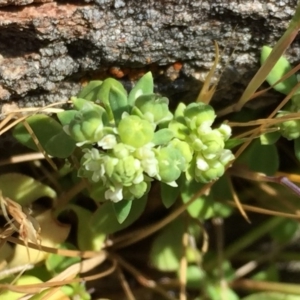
129,140
207,157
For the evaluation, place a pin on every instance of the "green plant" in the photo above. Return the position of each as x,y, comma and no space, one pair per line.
110,149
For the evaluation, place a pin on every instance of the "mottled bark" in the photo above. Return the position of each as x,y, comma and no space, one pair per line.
48,49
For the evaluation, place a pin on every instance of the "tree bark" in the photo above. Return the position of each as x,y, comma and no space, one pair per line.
49,48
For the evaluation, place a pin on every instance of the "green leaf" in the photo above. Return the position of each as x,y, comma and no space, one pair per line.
122,210
202,207
104,219
195,277
162,136
87,237
166,249
232,143
91,91
79,103
261,158
144,86
285,232
269,274
24,189
106,98
279,70
24,280
60,145
214,291
270,138
297,148
169,194
271,296
58,263
50,134
65,117
221,191
118,103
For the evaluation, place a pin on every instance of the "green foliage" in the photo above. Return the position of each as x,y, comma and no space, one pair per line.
203,207
271,296
261,158
122,210
120,143
289,129
24,189
279,70
49,133
166,249
169,194
87,238
58,263
285,231
104,220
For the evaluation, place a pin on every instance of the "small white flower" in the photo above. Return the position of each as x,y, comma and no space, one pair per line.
115,194
148,160
225,130
226,156
94,163
201,163
108,142
205,127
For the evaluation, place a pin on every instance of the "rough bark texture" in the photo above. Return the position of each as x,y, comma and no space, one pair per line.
48,49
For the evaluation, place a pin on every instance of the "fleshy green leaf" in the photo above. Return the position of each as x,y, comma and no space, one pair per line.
104,219
24,189
269,274
162,136
65,117
144,86
202,207
269,138
118,103
91,91
261,158
122,210
24,280
231,143
106,98
195,277
215,290
60,145
166,249
279,70
50,134
87,238
58,263
285,232
169,194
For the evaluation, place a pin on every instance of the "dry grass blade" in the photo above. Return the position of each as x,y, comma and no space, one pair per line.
21,222
65,277
207,93
238,202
